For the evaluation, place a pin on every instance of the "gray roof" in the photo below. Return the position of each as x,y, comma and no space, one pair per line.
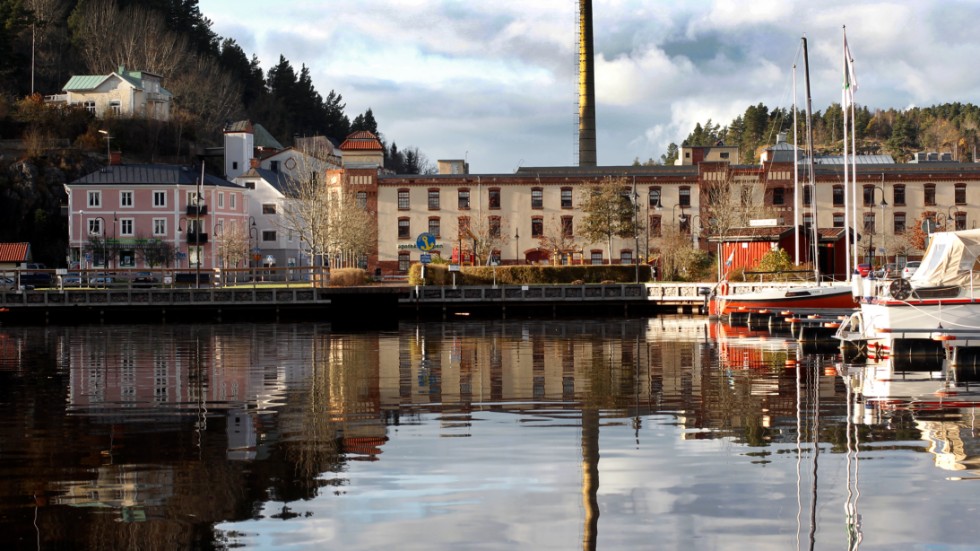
275,179
859,159
156,174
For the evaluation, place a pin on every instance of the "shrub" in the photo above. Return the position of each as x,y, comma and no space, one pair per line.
347,277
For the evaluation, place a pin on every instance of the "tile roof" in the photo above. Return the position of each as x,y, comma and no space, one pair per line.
150,174
362,140
261,137
15,252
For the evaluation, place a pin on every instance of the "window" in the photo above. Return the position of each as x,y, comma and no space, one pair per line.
404,260
959,195
125,226
159,198
566,197
403,228
960,218
233,197
268,235
807,195
433,199
95,226
838,220
463,224
95,199
899,225
566,226
655,223
90,106
838,196
929,193
684,224
159,226
493,197
464,199
869,222
898,194
274,166
114,107
234,165
403,199
625,257
361,198
596,257
435,227
778,196
537,226
127,258
724,154
684,199
654,198
808,220
537,198
869,196
126,199
494,226
221,199
269,208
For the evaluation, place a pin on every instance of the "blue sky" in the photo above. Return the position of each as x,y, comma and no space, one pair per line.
496,82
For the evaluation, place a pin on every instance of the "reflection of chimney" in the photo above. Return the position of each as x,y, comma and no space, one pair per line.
586,87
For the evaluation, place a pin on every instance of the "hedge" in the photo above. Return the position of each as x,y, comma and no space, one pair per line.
439,274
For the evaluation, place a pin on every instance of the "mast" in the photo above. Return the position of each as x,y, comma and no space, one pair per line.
796,180
812,179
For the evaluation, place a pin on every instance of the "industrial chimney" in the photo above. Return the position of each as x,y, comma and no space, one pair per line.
586,87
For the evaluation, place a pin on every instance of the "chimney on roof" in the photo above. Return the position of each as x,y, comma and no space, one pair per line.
115,158
254,163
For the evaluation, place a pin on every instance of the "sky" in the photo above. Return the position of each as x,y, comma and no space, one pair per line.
496,82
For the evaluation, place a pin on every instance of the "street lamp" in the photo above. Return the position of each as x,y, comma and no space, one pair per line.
517,246
635,200
682,219
105,261
108,151
253,232
216,232
871,233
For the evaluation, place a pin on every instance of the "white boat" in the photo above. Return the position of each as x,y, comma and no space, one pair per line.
936,310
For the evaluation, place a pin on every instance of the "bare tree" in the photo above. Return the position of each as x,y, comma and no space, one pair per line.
154,252
231,245
485,235
353,232
559,238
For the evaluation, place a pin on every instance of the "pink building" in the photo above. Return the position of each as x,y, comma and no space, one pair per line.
156,216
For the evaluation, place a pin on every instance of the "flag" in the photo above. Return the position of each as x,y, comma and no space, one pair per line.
850,80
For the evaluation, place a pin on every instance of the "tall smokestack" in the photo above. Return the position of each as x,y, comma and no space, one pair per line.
586,87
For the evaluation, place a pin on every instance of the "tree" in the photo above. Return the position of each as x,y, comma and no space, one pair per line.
671,155
558,238
154,252
486,236
608,211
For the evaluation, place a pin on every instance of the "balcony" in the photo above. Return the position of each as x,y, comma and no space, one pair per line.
195,238
197,210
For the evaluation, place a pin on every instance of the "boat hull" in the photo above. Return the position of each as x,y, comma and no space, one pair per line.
800,300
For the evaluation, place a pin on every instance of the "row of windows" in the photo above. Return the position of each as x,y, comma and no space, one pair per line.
898,195
94,199
126,228
537,226
957,222
537,198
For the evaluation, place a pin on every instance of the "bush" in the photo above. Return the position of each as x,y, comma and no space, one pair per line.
347,277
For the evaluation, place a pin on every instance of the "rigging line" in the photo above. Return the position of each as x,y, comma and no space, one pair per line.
938,317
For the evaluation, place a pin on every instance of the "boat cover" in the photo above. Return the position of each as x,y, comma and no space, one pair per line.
949,260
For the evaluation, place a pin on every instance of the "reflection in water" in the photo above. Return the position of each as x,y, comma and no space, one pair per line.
524,434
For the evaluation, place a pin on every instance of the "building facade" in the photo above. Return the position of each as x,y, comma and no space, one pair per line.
122,93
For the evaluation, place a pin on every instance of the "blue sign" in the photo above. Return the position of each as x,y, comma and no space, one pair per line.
425,258
426,242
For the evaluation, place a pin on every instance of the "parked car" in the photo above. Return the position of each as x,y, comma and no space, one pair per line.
100,280
145,279
7,282
889,271
910,268
72,279
34,275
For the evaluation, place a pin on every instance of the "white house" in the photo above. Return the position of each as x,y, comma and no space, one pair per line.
122,93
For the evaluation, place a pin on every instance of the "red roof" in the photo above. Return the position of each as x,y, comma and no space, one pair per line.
362,140
14,252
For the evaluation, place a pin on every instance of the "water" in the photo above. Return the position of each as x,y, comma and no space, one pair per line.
660,433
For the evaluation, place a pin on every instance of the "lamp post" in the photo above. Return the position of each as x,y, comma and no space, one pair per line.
182,223
635,200
882,206
216,232
105,261
680,220
81,236
517,245
252,232
108,151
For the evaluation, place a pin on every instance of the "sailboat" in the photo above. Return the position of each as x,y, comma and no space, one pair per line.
811,299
